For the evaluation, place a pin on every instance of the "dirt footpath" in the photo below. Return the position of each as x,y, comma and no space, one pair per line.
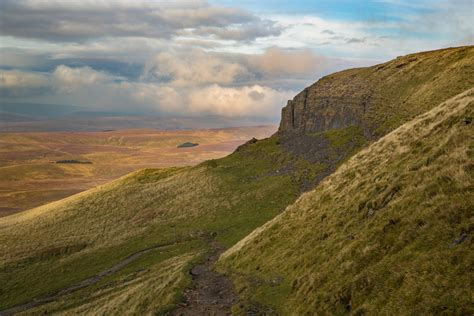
212,293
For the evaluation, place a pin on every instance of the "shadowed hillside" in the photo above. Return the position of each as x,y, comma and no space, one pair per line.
180,212
390,231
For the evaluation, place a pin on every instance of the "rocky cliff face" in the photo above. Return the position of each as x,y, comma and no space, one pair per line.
335,117
316,110
379,98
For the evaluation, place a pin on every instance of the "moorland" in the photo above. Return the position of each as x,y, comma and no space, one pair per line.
33,169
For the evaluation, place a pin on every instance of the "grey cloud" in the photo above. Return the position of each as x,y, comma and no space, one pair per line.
276,62
238,101
193,68
21,58
177,81
256,96
355,40
249,31
328,32
196,67
181,66
24,84
45,62
87,86
78,21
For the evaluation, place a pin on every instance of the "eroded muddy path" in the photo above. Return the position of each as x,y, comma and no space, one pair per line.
211,293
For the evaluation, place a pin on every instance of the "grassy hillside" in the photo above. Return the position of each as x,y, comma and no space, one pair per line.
389,232
58,245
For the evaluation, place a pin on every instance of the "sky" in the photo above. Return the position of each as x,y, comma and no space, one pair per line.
218,57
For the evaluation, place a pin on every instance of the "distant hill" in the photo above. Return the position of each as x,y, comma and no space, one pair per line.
37,110
51,118
369,238
12,117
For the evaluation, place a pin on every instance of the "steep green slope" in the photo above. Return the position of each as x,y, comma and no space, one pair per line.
390,232
60,244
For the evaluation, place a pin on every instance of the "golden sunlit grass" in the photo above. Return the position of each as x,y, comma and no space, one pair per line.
379,235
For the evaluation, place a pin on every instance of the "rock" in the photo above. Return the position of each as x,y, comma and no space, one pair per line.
461,239
276,281
251,141
370,212
317,109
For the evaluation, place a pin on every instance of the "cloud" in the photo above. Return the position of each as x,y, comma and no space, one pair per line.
404,31
277,62
256,95
246,32
78,21
355,40
150,96
328,32
23,84
287,69
193,82
20,58
249,100
88,87
66,79
193,68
